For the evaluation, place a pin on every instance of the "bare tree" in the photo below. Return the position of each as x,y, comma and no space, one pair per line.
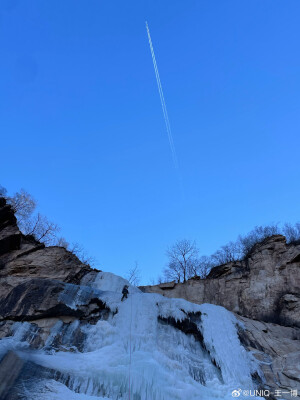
82,254
37,225
41,228
228,253
3,191
152,281
292,232
62,242
183,261
23,205
134,275
173,272
205,265
257,235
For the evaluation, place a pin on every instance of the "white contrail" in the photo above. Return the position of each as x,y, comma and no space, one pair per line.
162,100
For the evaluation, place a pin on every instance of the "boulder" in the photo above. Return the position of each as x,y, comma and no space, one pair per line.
277,350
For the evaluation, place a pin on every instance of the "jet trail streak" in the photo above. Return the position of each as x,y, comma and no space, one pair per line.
162,100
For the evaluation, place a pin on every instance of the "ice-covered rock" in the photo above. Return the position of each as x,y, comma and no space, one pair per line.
66,334
140,347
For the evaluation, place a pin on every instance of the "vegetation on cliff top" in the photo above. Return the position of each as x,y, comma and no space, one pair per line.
184,261
37,225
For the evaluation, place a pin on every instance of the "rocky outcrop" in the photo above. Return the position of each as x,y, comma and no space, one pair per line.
277,350
34,278
264,292
10,236
47,289
39,289
265,286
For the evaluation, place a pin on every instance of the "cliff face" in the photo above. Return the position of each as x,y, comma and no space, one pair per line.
32,276
66,334
266,286
264,292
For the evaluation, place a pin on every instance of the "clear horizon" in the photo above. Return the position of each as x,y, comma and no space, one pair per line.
83,129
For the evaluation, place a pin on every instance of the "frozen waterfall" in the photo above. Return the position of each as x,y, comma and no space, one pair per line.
148,347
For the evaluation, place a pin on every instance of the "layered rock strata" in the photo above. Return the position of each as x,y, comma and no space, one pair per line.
45,287
265,286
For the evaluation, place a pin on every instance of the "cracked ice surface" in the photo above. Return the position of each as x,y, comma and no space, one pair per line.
134,350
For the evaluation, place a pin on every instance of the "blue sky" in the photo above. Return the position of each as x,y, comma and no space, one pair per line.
82,127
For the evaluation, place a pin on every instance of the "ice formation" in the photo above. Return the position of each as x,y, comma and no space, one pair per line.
142,350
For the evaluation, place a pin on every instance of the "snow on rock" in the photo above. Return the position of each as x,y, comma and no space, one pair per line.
139,353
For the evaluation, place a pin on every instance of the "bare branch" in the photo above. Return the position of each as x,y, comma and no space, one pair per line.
134,275
23,204
3,191
183,261
42,229
81,253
